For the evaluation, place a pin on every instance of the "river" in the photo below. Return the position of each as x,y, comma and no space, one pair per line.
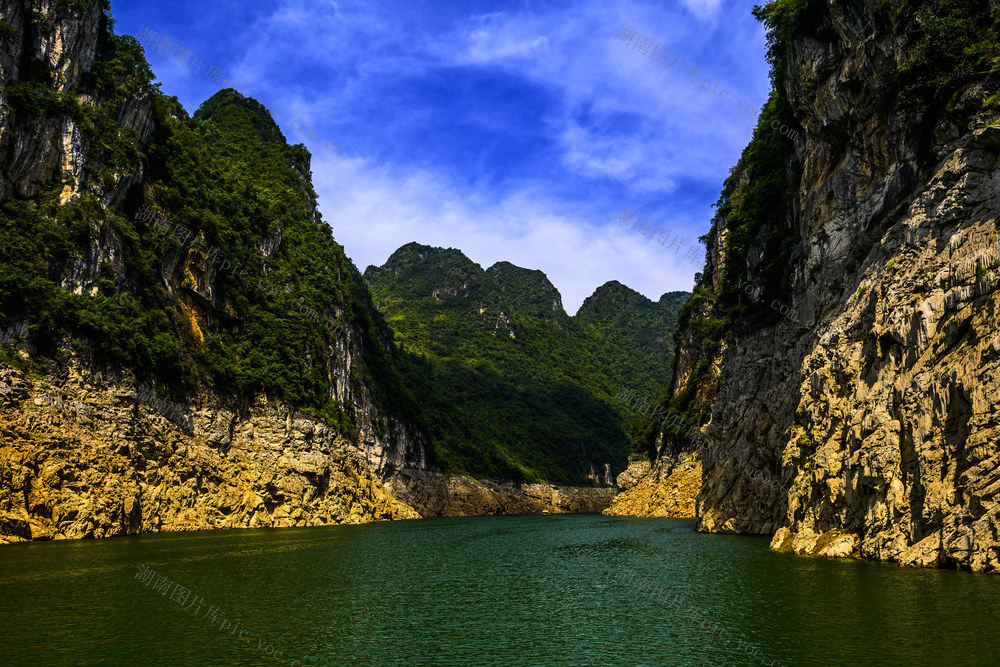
516,590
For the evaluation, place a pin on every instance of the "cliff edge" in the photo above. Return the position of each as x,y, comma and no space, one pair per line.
838,365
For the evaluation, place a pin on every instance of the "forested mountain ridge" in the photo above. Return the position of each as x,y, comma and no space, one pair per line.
516,387
184,345
619,319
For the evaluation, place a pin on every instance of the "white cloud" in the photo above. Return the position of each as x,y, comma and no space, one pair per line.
635,130
704,9
584,65
496,38
374,209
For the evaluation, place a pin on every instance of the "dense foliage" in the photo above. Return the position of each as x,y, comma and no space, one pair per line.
958,44
630,338
512,386
783,20
242,196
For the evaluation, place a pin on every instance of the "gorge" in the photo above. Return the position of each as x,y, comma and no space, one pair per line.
858,417
236,430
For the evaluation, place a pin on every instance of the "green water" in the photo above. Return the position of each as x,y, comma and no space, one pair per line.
498,590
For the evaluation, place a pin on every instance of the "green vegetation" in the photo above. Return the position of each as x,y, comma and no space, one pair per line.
630,338
272,316
9,33
958,44
511,385
754,206
228,176
783,20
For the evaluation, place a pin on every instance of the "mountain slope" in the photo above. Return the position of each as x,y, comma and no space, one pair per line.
512,386
153,263
632,337
528,291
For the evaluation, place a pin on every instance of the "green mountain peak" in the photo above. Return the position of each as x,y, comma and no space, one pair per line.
529,291
511,385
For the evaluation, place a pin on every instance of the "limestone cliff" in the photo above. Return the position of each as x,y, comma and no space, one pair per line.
205,377
437,494
183,344
667,488
841,353
88,458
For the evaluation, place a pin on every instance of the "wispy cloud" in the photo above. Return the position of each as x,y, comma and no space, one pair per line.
379,208
704,9
512,134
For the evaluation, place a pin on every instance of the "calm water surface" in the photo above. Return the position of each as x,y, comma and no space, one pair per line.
496,590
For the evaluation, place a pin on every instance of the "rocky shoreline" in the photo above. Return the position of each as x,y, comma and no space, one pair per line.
81,460
435,494
657,490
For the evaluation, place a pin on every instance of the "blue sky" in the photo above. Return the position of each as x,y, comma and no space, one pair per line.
510,130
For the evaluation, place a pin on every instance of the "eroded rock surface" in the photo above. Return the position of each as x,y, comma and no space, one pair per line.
81,460
658,490
863,418
435,494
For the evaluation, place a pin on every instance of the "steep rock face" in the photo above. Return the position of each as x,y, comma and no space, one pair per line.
663,489
95,457
836,367
83,453
66,39
895,429
435,494
863,419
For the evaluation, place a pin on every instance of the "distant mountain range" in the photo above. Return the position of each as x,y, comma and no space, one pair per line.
511,385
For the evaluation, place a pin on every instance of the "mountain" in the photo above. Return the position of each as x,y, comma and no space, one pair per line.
838,366
512,386
632,336
184,344
529,292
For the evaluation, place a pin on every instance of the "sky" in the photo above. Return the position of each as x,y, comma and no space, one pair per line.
586,139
